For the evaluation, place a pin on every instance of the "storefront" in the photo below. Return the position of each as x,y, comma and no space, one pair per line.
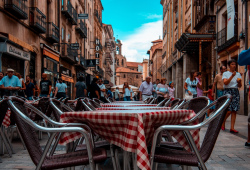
13,56
50,64
66,76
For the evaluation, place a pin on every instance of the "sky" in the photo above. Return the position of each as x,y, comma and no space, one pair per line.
136,23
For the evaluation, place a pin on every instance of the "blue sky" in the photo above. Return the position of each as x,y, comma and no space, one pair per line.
136,23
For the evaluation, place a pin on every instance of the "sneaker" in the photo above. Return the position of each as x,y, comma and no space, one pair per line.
247,145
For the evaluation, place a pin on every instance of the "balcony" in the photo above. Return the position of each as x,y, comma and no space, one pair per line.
53,32
37,20
17,7
109,58
98,17
223,43
206,24
68,54
69,12
82,29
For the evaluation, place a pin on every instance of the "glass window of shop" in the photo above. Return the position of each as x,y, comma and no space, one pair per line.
51,71
12,62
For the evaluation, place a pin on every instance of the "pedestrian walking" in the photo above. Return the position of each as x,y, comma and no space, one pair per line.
232,81
171,90
36,87
162,90
199,85
45,86
61,89
211,98
109,93
1,90
10,83
94,90
155,86
30,89
81,88
191,85
102,90
117,94
127,92
21,92
146,89
218,83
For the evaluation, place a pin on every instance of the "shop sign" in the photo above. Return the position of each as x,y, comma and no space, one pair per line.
17,52
91,63
75,46
230,19
66,71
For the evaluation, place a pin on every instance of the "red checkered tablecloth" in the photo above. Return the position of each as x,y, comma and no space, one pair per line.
133,108
127,105
131,130
6,120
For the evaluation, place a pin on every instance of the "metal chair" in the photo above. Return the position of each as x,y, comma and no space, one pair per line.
172,104
162,103
40,157
197,157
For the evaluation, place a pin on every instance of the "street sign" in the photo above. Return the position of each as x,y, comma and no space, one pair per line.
97,61
91,63
83,16
74,46
97,55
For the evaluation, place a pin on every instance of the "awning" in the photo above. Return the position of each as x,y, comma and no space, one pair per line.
51,54
190,42
67,78
18,41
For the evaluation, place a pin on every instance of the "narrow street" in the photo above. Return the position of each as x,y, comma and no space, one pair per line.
229,152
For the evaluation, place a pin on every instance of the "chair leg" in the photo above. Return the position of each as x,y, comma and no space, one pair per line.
113,157
117,159
184,167
24,147
4,140
9,141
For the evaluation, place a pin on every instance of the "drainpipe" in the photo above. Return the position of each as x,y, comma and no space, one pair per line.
246,47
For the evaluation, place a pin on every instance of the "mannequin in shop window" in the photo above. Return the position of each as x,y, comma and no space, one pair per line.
10,84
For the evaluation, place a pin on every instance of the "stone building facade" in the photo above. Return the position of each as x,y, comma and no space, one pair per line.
47,36
195,38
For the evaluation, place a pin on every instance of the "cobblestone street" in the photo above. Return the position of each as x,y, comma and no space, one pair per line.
229,152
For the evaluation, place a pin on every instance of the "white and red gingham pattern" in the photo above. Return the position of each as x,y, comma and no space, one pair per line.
133,108
6,120
128,105
131,130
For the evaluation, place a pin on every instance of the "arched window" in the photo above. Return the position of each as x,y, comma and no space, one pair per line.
122,63
137,76
124,76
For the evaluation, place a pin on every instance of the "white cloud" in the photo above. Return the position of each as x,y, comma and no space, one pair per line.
154,16
135,46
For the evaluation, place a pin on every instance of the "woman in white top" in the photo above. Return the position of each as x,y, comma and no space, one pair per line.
21,91
127,92
232,81
162,90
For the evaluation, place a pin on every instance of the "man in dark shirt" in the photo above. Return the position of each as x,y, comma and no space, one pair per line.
30,88
45,86
81,89
94,89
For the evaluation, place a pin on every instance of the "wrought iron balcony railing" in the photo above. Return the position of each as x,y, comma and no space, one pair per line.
17,7
98,17
53,32
82,29
69,12
37,20
69,54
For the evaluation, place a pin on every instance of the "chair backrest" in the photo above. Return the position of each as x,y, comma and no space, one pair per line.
58,108
162,103
82,106
196,104
43,104
27,132
87,102
95,104
98,101
214,127
173,103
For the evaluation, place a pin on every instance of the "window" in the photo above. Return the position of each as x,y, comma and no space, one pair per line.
68,38
122,62
137,76
62,4
62,34
124,76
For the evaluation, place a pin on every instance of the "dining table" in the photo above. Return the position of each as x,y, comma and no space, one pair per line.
127,105
131,130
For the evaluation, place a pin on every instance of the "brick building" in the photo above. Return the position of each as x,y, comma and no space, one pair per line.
48,36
